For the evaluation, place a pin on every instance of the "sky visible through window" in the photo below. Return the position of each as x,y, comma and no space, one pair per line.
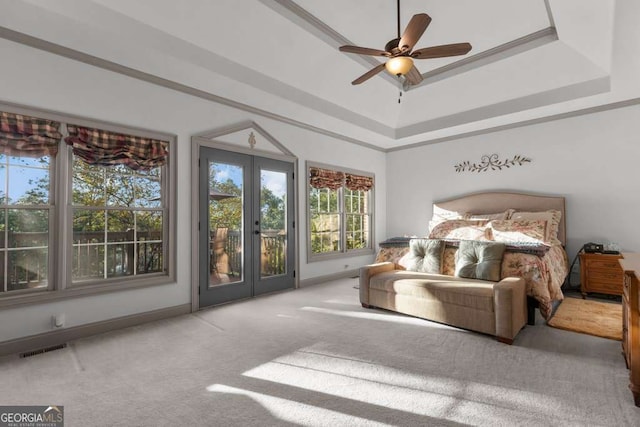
270,179
24,174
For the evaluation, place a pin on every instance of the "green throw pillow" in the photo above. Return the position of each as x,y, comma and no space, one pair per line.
479,260
425,255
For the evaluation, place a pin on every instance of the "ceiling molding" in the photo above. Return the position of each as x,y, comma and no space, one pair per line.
540,99
552,22
560,116
56,49
498,53
310,23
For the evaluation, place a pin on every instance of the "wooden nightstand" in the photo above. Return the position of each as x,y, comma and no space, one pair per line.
600,273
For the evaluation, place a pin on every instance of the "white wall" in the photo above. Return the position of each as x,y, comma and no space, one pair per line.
42,80
591,160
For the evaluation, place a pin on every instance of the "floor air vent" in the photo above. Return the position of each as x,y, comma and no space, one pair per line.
42,350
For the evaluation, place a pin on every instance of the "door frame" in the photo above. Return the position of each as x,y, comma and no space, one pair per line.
208,139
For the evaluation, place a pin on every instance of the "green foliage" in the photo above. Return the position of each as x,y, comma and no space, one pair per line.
115,186
226,212
272,210
325,219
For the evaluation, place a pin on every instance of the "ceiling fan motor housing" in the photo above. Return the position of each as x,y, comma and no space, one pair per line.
392,47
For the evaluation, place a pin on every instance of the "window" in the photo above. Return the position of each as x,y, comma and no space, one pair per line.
24,222
117,222
340,212
103,224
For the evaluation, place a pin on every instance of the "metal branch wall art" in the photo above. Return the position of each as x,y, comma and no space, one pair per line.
491,162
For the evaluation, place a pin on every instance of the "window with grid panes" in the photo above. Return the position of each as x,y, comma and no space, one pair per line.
340,212
103,221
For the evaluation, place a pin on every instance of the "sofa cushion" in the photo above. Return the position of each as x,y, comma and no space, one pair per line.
476,294
425,256
479,260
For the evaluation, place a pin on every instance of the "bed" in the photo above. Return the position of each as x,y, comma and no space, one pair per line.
542,263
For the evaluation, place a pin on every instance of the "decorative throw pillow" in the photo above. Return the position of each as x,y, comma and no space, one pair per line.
460,229
425,256
519,231
552,217
479,260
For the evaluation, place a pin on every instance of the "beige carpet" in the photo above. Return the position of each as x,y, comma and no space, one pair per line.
315,357
600,319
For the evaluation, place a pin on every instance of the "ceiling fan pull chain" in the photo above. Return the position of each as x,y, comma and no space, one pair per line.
400,84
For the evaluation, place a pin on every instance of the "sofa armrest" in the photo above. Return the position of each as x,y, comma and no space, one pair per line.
367,272
510,304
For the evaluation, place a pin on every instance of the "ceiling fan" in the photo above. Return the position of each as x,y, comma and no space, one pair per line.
400,54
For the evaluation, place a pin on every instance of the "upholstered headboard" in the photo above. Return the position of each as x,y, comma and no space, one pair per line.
498,201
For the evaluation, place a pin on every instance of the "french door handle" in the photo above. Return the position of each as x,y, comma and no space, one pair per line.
256,232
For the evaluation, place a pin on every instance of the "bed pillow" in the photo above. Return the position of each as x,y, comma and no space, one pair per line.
479,260
441,215
491,216
425,256
552,217
461,229
519,231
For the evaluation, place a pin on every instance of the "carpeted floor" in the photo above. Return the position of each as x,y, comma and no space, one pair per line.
315,357
602,319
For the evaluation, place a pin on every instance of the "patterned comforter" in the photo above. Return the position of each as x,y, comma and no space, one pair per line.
543,275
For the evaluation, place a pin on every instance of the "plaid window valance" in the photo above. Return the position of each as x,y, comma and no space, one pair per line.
28,136
325,178
358,182
100,147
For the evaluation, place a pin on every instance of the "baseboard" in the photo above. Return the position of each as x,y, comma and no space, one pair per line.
328,277
49,339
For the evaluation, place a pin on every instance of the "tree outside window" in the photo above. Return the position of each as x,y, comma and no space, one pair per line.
339,211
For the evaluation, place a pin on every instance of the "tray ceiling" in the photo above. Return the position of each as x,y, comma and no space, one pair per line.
530,58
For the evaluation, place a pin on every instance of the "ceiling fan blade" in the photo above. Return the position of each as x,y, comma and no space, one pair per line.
413,76
413,32
442,51
366,76
363,50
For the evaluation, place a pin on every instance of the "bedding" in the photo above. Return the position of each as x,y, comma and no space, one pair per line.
552,217
521,231
460,229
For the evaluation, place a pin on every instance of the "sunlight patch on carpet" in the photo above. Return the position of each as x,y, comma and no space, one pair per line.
434,396
295,412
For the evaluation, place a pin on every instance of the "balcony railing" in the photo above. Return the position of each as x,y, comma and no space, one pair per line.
24,264
272,253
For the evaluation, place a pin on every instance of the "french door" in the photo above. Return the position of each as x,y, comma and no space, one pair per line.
246,244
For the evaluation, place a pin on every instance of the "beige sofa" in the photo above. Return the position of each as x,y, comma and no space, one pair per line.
494,308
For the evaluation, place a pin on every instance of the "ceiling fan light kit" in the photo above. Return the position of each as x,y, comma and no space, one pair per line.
399,51
399,65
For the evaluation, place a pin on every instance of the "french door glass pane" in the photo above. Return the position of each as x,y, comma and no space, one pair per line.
225,223
273,220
